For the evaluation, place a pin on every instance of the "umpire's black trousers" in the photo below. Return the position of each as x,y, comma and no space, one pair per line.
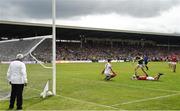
16,94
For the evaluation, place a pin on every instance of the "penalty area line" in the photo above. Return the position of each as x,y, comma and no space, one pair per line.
78,100
147,99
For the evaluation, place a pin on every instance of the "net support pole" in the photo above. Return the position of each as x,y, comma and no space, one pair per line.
54,45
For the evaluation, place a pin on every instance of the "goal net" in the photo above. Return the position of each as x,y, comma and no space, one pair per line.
37,53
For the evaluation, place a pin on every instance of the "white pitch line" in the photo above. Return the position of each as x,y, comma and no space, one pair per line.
78,100
147,99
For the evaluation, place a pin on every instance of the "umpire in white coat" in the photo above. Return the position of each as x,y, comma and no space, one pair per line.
17,77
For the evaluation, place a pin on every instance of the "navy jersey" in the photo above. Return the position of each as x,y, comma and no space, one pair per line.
145,59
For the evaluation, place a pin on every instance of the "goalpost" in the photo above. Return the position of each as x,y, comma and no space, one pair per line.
46,91
54,44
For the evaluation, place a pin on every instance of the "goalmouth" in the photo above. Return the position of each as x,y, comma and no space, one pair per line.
39,57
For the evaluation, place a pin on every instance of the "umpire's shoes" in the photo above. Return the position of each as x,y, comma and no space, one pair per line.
19,108
10,108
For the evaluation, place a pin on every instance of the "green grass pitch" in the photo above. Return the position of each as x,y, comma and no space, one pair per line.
81,87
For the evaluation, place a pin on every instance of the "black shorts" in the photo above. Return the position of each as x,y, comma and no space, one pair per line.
145,63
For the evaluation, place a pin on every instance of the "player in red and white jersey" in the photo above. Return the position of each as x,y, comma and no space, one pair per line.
173,62
144,77
169,61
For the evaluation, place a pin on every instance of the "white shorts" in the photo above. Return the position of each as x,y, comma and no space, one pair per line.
107,74
169,62
150,78
140,65
173,63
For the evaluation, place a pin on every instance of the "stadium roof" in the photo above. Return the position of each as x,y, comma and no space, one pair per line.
10,29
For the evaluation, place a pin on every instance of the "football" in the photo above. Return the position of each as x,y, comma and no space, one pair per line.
49,93
42,95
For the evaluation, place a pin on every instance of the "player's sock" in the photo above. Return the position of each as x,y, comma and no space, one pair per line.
135,74
108,78
159,75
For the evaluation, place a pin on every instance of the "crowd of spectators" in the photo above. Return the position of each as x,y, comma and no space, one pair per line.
73,51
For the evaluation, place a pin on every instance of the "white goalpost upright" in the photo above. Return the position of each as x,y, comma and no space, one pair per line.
54,45
53,48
